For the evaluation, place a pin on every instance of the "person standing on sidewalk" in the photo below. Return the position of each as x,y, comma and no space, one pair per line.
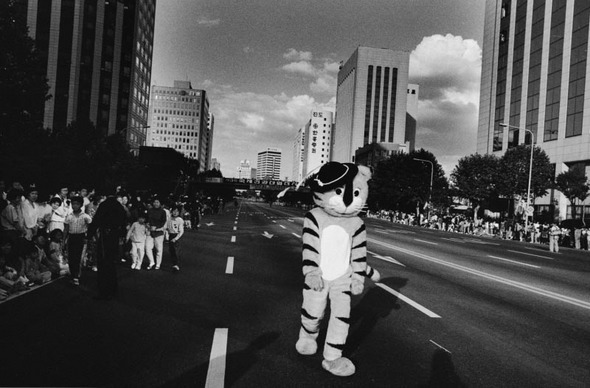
76,228
554,233
157,219
175,231
109,224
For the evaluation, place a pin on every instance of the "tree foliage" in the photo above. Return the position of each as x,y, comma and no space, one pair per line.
514,169
574,185
402,183
476,177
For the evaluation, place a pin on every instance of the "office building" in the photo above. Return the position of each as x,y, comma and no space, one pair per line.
312,144
245,170
268,164
179,119
371,102
215,165
534,78
98,57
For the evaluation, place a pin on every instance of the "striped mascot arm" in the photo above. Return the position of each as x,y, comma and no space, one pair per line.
359,259
311,253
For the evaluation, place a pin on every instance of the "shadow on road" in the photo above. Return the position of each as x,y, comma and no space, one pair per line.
376,304
442,372
237,364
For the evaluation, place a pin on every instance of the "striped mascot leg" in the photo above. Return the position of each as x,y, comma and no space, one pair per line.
312,312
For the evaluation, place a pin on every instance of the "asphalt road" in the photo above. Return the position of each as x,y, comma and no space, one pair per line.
452,308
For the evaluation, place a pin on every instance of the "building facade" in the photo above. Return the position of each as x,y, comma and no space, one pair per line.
312,144
534,79
99,61
268,164
179,119
298,149
371,101
245,170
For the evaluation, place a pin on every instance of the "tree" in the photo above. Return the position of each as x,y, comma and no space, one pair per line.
22,74
514,168
573,184
476,177
402,183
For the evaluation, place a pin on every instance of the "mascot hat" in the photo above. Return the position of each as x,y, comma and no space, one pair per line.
332,175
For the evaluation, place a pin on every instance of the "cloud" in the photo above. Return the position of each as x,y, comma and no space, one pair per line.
448,70
248,122
322,72
294,55
205,22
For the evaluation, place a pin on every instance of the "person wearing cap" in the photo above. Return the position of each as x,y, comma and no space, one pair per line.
76,228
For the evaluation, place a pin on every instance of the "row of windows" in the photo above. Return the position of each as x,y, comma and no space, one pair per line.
176,133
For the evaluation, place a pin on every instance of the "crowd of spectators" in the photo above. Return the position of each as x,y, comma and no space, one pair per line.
535,232
45,235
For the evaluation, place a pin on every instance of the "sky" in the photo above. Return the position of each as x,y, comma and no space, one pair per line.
265,64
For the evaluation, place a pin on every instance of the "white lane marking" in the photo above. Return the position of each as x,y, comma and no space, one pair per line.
282,227
235,228
230,265
274,222
476,241
427,242
235,222
512,261
216,371
409,301
233,238
386,258
296,235
531,254
454,240
522,286
440,347
291,220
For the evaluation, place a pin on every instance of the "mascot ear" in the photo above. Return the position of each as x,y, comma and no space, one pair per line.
365,172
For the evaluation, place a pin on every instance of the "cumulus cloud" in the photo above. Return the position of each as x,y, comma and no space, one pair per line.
448,70
321,73
206,22
248,122
294,55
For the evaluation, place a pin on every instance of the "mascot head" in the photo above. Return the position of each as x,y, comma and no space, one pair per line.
341,189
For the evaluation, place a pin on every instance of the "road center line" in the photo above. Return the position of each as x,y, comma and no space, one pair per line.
296,235
522,286
216,371
282,226
233,238
230,265
427,242
409,301
235,228
531,254
512,261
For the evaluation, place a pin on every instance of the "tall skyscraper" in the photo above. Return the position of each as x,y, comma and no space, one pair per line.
268,165
371,101
179,119
534,71
312,144
245,170
99,60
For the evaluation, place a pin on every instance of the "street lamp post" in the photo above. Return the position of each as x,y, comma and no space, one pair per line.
431,176
528,193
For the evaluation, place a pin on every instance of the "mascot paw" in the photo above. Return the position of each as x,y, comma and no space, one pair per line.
376,276
306,346
356,287
339,367
315,282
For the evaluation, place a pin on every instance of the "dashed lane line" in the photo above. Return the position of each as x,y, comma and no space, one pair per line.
531,254
409,301
216,370
526,287
296,235
513,261
282,226
233,238
229,269
426,242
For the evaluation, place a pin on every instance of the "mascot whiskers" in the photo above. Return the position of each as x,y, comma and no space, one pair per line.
334,260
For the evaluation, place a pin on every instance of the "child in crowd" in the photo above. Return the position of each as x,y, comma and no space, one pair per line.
10,277
56,257
76,226
175,230
35,271
58,215
137,234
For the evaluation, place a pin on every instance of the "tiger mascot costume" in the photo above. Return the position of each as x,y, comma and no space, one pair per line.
334,260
